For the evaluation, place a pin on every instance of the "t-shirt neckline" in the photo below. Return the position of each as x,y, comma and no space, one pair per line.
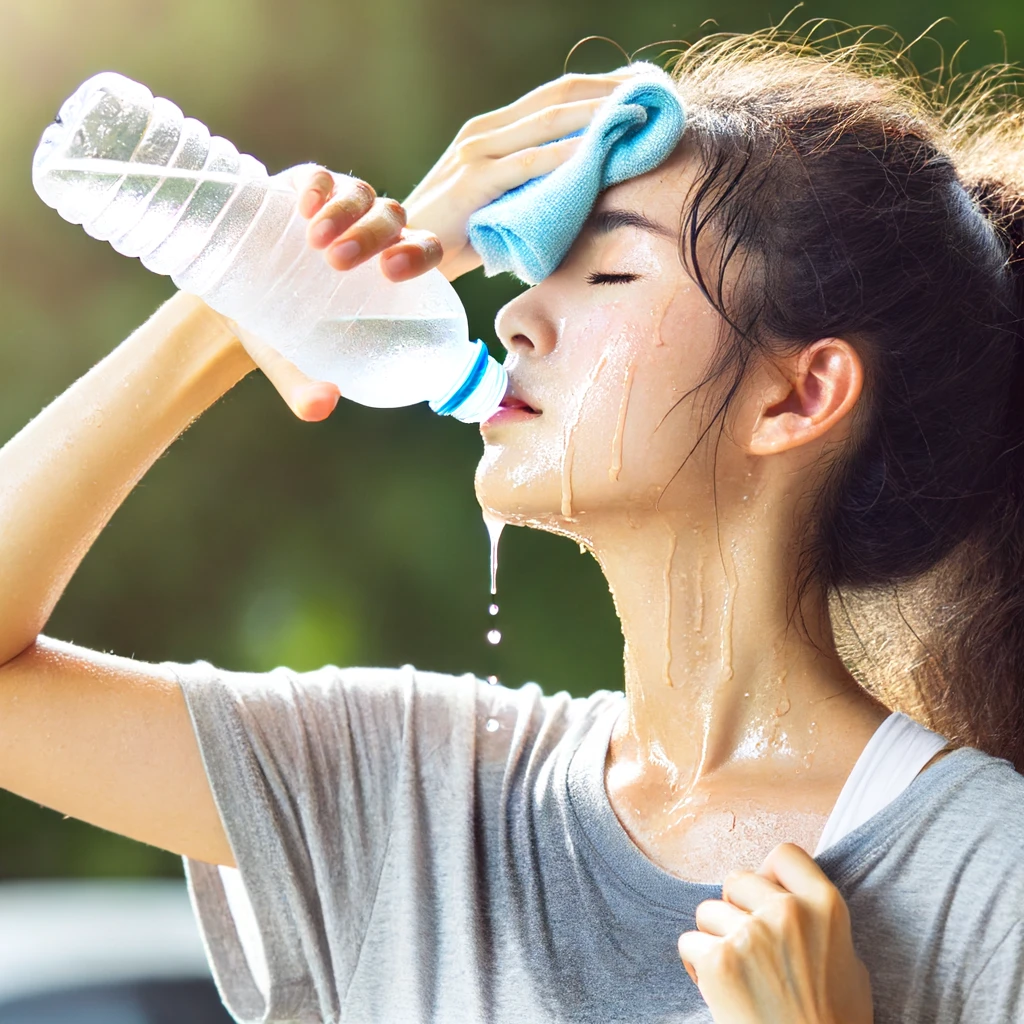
589,801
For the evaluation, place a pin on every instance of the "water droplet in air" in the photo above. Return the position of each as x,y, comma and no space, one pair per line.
492,725
492,680
494,636
493,610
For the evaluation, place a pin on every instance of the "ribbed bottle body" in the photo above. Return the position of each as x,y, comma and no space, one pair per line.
134,171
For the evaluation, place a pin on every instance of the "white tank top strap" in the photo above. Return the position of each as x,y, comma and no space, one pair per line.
893,757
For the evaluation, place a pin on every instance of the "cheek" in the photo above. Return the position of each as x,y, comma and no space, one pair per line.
640,422
614,431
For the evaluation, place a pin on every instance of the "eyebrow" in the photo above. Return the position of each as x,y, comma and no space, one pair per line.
604,221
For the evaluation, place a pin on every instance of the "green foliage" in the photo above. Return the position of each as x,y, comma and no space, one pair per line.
259,540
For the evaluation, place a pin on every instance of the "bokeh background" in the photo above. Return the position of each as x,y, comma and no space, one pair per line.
259,540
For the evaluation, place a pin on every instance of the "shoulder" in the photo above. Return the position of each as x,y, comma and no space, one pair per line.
403,701
954,840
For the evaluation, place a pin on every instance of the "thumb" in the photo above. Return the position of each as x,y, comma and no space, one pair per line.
310,400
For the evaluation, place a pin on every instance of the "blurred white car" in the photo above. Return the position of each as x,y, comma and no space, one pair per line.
103,952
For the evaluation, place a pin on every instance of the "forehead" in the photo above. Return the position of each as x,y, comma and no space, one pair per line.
658,195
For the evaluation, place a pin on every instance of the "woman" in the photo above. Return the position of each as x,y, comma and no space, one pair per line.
785,363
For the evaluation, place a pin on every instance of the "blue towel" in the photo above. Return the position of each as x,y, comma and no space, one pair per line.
529,229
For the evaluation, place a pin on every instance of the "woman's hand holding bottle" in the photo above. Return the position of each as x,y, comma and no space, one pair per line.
491,154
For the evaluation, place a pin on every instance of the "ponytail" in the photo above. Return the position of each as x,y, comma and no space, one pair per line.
973,685
860,208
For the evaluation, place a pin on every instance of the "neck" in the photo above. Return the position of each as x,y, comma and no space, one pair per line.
719,668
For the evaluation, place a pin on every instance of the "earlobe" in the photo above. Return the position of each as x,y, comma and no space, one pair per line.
822,384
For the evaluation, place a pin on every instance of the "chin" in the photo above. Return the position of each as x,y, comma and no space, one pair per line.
517,487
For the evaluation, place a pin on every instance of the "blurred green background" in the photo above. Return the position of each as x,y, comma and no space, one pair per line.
259,540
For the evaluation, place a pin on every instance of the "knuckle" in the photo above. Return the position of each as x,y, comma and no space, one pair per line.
731,879
755,934
360,194
549,115
466,151
725,960
472,127
392,210
321,181
787,910
527,157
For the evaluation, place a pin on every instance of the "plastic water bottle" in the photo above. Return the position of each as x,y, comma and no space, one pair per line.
134,171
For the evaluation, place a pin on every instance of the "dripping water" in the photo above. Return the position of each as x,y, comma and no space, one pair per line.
494,527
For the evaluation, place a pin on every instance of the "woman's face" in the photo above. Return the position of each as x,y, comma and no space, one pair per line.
605,362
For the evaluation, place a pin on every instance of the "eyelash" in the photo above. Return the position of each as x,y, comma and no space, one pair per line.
611,278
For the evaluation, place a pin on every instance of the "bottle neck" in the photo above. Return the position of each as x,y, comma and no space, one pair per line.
477,396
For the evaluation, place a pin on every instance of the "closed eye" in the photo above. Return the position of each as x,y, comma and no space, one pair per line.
611,278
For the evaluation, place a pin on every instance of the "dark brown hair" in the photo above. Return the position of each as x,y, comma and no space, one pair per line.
855,200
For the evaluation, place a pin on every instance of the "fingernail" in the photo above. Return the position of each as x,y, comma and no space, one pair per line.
399,263
346,251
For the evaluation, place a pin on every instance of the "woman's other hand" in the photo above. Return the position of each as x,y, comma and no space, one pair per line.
498,151
777,948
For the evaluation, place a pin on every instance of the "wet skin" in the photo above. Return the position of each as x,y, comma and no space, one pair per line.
737,733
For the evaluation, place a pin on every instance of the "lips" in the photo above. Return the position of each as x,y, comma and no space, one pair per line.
514,407
514,401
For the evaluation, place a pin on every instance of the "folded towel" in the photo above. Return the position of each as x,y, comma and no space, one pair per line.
529,229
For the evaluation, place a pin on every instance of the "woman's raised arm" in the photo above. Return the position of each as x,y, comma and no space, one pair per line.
98,737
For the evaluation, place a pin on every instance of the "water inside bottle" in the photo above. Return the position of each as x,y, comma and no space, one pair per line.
370,356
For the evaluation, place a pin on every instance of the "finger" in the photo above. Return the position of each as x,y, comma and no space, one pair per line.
372,233
513,170
417,252
559,90
695,949
352,199
533,130
315,186
718,917
748,890
309,399
792,868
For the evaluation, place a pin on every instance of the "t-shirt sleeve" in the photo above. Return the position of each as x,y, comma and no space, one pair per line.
997,993
306,770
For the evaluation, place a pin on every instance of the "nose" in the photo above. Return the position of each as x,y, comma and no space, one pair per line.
523,328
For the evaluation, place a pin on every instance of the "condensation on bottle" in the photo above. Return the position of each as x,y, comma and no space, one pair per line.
134,171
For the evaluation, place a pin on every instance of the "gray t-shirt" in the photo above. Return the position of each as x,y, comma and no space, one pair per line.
421,847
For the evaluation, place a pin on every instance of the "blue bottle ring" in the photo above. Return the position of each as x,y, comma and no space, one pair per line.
469,383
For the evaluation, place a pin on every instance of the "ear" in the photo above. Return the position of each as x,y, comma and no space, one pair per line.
816,388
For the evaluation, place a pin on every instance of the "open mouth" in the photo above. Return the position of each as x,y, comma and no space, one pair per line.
513,408
513,402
